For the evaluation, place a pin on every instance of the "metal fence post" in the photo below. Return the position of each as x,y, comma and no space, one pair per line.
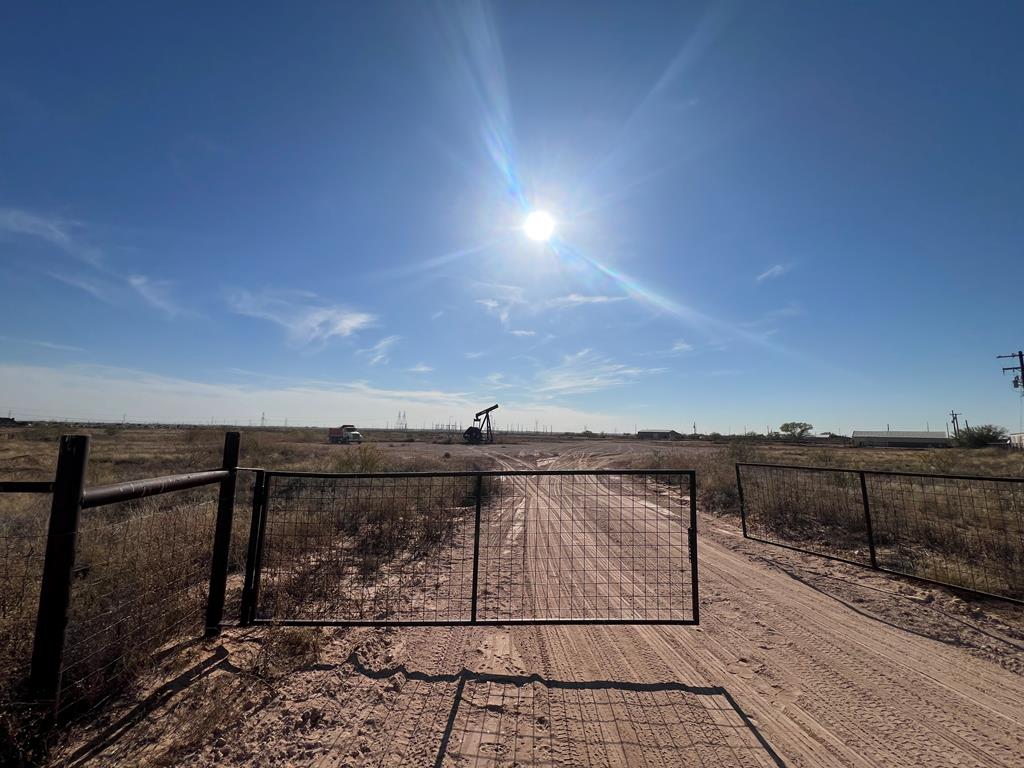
248,612
743,509
867,519
55,591
476,546
694,580
222,537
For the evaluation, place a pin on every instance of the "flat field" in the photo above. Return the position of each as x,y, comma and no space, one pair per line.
797,660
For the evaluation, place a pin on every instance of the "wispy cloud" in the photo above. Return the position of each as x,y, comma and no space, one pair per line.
44,344
55,230
157,293
501,300
421,368
379,352
102,281
97,288
774,271
305,318
587,371
437,314
523,333
578,300
474,355
681,346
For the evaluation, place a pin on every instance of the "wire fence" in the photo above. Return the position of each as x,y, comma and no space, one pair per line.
140,580
960,531
23,516
470,548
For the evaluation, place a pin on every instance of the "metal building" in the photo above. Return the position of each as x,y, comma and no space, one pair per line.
658,434
900,439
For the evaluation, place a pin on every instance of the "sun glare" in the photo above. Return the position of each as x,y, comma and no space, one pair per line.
539,226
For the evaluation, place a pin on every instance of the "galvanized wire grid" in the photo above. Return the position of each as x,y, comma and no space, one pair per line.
401,548
142,569
965,532
821,511
23,519
583,546
364,549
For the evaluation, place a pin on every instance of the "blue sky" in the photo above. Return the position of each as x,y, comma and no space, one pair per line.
764,212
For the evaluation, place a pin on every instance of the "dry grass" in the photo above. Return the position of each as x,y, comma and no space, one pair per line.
142,567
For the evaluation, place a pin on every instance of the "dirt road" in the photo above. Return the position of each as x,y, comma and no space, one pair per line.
797,661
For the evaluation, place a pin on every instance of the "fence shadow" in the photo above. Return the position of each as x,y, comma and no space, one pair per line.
505,719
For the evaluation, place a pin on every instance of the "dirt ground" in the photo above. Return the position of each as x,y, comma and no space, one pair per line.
797,661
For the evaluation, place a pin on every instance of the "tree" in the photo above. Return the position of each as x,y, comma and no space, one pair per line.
796,429
980,437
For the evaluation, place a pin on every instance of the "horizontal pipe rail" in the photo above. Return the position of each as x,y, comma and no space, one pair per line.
26,486
483,473
885,472
154,486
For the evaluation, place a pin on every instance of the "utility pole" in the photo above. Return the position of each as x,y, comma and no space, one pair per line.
956,424
1018,380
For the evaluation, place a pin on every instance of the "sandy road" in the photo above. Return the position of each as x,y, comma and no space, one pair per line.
797,661
781,671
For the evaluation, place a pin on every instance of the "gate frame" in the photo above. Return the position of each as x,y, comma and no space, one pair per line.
870,536
258,527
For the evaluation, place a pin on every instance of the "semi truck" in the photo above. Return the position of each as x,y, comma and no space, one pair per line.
346,433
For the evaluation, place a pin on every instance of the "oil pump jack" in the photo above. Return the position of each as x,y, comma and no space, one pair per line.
480,432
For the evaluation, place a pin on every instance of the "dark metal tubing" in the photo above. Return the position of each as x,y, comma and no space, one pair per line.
248,611
222,536
476,547
743,508
887,472
26,486
260,537
867,521
694,590
137,489
55,590
482,473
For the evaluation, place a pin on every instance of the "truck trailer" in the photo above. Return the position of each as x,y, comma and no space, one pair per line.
346,433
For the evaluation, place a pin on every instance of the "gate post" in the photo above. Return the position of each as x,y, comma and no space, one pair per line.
55,591
743,509
867,519
476,546
248,612
222,537
692,541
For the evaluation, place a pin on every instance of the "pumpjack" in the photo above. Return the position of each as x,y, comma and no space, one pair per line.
480,432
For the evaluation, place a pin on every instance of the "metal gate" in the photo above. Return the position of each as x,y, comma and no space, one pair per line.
464,548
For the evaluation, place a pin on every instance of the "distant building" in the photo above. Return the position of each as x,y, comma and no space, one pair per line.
1016,440
900,439
659,434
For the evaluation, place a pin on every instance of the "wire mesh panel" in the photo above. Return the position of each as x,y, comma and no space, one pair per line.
967,532
487,547
964,532
23,518
142,569
367,548
585,546
818,510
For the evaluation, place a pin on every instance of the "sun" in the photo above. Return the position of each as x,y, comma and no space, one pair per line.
539,226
